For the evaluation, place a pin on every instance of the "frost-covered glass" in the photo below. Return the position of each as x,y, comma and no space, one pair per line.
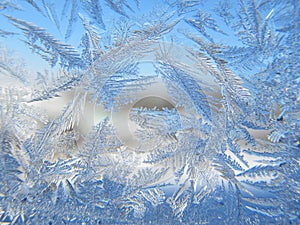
149,112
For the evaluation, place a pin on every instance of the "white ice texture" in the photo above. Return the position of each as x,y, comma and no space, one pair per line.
150,112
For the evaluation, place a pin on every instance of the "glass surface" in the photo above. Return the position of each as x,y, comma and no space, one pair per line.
149,112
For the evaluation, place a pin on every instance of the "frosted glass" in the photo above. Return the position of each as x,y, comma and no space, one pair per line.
149,112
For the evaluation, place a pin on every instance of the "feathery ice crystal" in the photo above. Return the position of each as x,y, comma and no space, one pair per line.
175,112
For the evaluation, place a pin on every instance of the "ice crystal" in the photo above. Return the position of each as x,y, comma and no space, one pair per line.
184,114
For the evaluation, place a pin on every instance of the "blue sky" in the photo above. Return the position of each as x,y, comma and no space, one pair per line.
29,13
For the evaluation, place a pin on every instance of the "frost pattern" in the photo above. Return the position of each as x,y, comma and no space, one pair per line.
225,150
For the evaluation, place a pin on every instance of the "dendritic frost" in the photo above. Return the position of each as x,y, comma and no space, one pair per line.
168,112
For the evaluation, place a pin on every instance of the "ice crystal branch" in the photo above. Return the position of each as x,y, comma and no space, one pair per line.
50,49
94,8
11,67
202,21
